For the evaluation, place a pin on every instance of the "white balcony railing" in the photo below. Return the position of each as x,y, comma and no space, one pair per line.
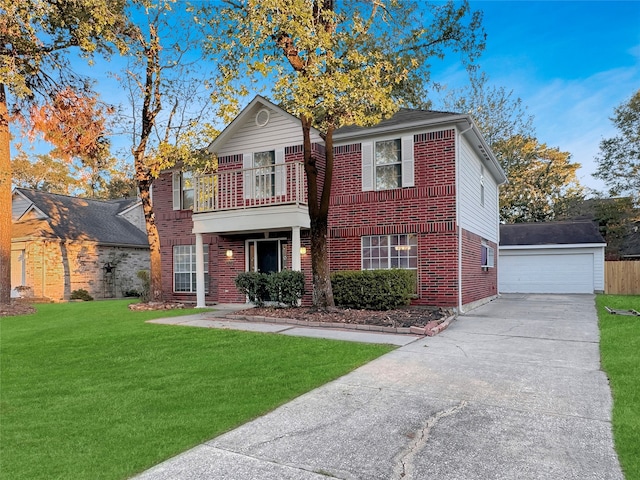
278,184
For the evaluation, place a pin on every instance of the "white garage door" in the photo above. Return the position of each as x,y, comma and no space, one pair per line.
542,272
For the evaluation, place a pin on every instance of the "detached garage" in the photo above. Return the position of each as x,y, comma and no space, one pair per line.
551,257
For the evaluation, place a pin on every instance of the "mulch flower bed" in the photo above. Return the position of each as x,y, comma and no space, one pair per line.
402,317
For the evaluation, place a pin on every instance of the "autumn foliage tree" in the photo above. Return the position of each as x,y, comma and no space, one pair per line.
542,181
333,64
76,124
36,38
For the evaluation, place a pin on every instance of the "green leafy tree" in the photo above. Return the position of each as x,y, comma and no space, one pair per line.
43,172
335,64
619,157
36,38
497,112
542,181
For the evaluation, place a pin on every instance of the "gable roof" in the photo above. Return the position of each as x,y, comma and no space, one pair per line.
71,218
403,119
242,117
550,233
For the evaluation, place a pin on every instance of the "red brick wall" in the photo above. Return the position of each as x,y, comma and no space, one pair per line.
428,210
477,283
174,228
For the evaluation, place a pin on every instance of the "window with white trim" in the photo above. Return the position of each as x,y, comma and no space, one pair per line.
184,268
487,255
390,251
183,191
388,164
388,156
264,174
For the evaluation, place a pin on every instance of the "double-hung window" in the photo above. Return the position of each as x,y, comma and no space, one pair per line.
390,251
183,190
184,268
264,174
388,164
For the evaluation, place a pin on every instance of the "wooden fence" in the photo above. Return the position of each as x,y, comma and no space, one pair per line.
622,278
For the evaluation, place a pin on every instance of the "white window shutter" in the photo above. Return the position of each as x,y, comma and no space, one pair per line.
281,173
248,181
407,162
176,188
367,166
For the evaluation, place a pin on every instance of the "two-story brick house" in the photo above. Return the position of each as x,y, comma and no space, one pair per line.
417,191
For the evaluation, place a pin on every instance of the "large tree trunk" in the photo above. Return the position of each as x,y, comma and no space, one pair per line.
318,214
155,273
5,201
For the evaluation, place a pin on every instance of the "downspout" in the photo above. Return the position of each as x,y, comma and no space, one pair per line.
458,215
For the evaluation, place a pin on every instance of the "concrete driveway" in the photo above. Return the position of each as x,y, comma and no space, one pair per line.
512,390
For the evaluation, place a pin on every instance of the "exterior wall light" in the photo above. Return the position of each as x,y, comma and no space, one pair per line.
303,250
229,254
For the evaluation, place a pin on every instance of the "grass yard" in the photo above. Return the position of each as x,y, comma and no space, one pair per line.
620,355
89,391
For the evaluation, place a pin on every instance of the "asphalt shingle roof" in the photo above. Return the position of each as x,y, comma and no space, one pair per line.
549,233
80,219
402,116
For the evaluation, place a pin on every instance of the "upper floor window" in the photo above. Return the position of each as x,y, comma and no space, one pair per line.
388,164
265,175
482,186
183,191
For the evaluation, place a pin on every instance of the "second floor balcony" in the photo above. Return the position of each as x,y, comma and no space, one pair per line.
253,199
279,184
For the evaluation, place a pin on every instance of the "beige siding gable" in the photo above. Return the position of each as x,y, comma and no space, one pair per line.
264,129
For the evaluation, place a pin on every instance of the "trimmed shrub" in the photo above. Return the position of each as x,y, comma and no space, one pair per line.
81,294
254,285
373,289
285,287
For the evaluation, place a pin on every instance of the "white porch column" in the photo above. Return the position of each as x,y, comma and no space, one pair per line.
200,303
296,263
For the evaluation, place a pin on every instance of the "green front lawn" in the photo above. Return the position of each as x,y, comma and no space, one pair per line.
620,356
89,391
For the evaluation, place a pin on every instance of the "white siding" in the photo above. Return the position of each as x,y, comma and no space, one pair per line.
280,131
473,216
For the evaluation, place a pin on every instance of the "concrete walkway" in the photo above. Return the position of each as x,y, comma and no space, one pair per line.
512,390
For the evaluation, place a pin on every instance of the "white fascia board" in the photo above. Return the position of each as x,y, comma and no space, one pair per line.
553,246
128,209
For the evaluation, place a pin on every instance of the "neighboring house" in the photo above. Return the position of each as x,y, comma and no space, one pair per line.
60,244
417,191
551,257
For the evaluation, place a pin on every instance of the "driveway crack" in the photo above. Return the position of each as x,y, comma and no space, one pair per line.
404,461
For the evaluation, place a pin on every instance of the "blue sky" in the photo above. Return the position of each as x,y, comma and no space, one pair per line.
571,63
